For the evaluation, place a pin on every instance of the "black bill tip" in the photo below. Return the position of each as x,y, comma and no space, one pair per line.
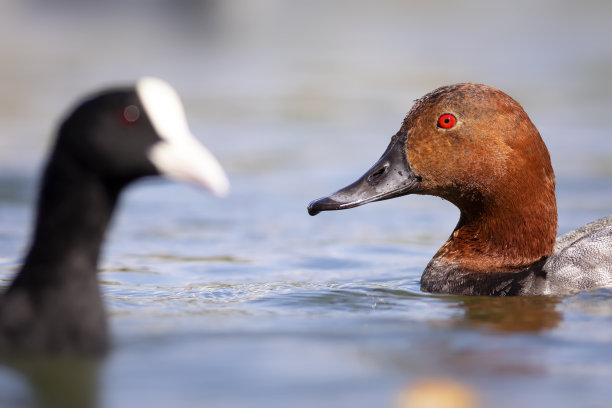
322,204
312,210
331,203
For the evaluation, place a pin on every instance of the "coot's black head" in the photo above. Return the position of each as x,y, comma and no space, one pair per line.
126,133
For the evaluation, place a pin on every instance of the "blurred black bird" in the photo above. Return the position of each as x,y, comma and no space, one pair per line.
54,306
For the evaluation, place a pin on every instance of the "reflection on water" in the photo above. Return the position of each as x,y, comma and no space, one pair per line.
518,314
56,382
247,301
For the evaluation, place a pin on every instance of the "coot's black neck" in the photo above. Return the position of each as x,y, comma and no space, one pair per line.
74,209
54,303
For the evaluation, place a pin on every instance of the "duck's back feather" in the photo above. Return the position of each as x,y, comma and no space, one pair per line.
582,259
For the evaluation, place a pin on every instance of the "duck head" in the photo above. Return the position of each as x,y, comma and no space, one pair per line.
127,133
474,146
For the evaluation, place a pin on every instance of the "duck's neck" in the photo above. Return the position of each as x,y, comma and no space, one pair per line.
496,237
502,239
74,210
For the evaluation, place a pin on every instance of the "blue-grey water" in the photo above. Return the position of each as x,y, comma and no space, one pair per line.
249,302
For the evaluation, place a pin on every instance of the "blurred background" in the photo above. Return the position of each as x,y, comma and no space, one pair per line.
250,302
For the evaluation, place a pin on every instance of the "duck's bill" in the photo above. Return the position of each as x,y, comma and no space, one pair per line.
178,155
390,177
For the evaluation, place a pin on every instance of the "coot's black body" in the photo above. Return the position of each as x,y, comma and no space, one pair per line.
108,141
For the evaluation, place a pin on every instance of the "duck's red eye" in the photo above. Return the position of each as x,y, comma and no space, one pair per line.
447,121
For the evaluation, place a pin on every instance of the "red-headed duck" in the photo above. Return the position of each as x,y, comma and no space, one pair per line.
475,146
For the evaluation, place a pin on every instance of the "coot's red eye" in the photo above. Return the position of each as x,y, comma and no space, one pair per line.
447,121
129,114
